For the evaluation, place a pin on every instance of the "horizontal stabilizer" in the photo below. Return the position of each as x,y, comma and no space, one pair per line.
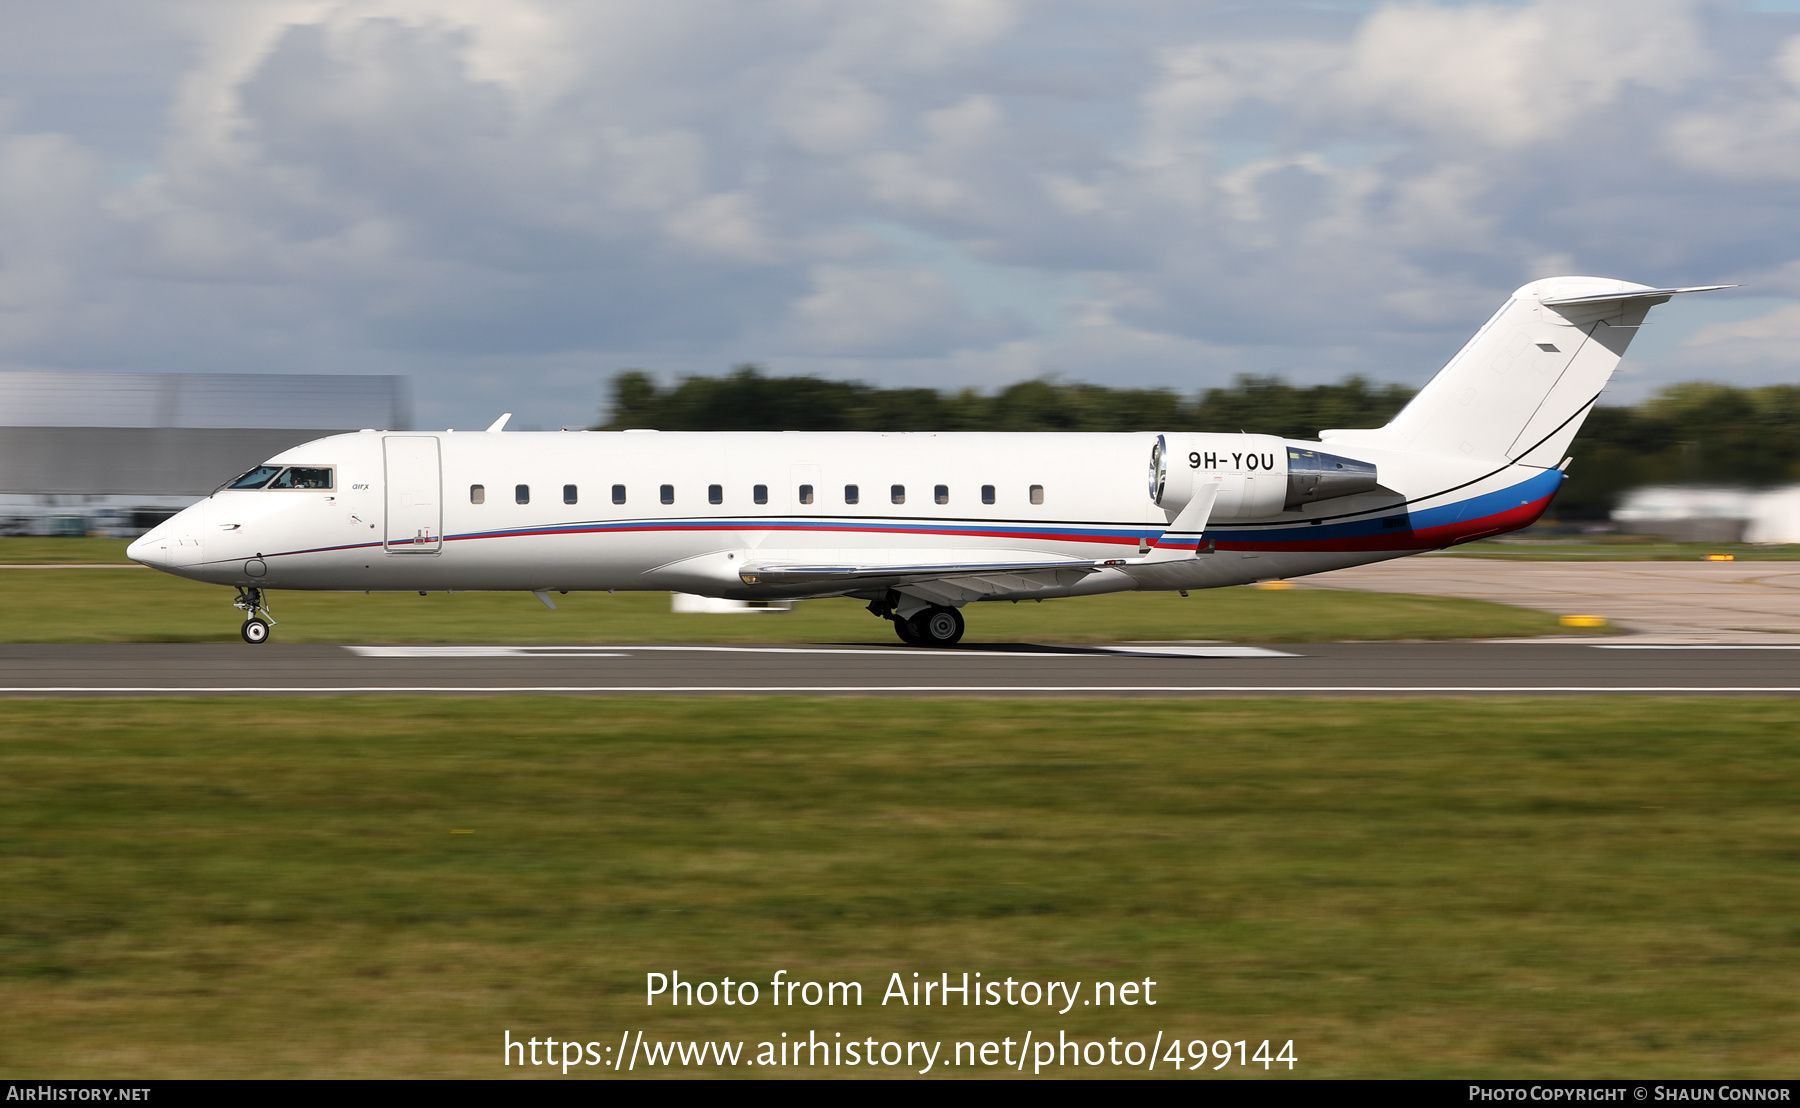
1635,294
1519,390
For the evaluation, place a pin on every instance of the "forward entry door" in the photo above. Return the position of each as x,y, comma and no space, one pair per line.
415,502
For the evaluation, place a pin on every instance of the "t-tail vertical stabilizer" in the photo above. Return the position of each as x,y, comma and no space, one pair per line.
1519,390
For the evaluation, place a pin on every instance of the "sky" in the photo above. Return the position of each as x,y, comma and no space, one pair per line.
509,201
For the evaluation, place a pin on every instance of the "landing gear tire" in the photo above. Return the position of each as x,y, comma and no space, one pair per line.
937,627
257,617
907,632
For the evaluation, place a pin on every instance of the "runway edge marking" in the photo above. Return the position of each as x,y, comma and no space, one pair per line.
1269,689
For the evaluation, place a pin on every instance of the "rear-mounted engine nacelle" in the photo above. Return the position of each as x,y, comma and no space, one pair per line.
1313,475
1249,470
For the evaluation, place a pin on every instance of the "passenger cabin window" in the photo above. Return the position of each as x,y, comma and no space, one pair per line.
302,477
760,494
618,494
715,494
478,494
898,494
569,496
521,494
852,494
806,494
1037,494
256,478
668,494
940,494
987,494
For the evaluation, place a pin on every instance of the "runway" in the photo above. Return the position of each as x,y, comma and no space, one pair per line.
1131,669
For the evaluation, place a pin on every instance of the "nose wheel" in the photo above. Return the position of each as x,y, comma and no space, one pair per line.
257,617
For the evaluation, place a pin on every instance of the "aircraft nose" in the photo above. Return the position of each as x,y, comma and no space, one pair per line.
148,550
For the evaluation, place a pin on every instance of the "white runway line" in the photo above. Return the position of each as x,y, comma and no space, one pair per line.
1691,646
480,652
616,651
1266,689
1197,651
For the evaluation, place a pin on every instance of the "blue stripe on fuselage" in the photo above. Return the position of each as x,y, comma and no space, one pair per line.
1543,484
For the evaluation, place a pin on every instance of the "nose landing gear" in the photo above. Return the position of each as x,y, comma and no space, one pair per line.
257,617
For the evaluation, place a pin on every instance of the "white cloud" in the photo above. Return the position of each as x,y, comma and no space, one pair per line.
723,224
884,313
1759,350
1509,76
941,191
47,190
902,181
832,115
1753,135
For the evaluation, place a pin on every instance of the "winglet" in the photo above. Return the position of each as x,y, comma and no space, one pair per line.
1183,537
499,424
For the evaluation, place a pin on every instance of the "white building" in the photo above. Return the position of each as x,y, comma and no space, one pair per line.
1702,513
117,452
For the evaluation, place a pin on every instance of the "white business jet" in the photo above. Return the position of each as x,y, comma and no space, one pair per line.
920,524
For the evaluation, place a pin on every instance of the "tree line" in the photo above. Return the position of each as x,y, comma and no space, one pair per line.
1695,432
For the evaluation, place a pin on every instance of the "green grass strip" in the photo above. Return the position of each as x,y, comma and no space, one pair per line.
125,605
380,886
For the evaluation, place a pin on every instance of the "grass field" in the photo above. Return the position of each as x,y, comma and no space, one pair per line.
71,551
140,605
1573,887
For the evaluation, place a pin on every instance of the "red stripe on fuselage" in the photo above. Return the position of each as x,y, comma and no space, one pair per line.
898,530
1431,538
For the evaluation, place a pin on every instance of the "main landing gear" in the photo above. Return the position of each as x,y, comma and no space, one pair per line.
257,617
935,626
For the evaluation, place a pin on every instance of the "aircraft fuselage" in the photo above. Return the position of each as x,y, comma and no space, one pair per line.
687,511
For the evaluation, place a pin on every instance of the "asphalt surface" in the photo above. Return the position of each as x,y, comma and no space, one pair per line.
1174,669
1688,602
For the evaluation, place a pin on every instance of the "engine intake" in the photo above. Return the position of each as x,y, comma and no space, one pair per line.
1314,475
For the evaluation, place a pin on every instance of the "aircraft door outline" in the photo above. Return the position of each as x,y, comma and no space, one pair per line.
807,476
413,472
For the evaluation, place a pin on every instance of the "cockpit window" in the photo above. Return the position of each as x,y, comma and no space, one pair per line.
302,477
256,478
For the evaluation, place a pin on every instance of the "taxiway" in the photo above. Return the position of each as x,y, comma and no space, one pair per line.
1130,669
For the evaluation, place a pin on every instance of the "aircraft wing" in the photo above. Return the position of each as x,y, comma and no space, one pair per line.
939,582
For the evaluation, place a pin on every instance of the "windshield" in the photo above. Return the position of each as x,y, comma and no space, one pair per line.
256,478
302,477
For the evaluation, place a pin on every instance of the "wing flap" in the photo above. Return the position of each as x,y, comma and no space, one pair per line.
870,575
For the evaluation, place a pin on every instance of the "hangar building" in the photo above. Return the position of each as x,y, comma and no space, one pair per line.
115,453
